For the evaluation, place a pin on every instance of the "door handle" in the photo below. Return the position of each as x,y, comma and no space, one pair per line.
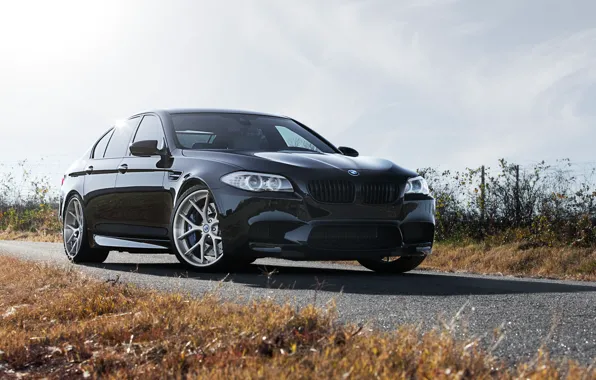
123,168
89,170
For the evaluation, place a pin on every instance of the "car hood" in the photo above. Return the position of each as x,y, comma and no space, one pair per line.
280,162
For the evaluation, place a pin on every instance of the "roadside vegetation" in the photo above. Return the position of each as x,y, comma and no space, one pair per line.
539,205
28,206
537,220
58,323
559,262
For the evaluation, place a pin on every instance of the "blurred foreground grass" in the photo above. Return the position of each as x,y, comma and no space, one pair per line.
58,323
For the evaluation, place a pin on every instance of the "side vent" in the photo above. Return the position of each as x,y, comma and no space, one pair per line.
174,176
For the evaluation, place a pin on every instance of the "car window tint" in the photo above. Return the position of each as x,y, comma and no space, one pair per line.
212,130
150,129
118,144
188,139
100,147
294,140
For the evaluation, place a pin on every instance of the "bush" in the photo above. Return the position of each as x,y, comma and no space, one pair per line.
28,204
540,204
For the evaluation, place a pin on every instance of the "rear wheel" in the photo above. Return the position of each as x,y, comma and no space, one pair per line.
195,231
74,235
400,264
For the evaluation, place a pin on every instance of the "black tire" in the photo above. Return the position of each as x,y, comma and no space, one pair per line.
83,253
225,263
399,265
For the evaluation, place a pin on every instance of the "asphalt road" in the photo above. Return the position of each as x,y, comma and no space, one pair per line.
559,316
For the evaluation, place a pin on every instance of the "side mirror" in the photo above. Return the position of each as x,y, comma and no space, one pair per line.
145,148
350,152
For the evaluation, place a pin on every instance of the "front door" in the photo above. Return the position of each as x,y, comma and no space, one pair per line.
140,187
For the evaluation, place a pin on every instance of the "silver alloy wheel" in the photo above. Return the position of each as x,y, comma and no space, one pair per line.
73,228
196,230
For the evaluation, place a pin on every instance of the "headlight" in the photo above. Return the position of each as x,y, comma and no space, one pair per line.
417,185
257,182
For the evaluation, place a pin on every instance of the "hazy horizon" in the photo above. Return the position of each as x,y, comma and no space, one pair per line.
440,83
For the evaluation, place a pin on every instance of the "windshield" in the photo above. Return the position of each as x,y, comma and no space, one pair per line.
244,132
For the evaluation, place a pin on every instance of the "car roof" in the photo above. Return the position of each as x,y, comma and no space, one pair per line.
208,110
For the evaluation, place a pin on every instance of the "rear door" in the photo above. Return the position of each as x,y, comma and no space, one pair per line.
102,205
140,186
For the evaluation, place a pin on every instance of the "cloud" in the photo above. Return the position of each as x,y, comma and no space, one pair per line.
443,78
424,83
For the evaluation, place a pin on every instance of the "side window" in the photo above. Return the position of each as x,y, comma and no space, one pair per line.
294,140
118,144
100,147
150,129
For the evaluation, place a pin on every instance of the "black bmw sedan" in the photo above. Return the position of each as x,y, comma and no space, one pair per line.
220,189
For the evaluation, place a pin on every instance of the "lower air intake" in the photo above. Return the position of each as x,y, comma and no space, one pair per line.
354,238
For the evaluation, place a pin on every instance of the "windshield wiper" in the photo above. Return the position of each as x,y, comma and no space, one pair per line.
297,148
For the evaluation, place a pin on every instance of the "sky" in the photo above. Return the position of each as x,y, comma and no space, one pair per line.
440,83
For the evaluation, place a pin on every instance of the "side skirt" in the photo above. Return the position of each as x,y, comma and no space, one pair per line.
132,245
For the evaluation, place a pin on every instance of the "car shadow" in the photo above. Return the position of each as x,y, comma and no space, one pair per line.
354,281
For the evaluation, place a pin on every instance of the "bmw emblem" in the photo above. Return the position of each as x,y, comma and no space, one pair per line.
206,228
353,173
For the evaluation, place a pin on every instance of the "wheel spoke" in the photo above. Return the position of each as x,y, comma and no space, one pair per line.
215,247
202,242
72,249
192,230
73,215
194,247
218,238
73,228
194,226
76,210
213,209
72,235
206,208
199,210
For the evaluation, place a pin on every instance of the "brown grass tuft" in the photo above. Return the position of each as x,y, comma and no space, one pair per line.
56,323
516,259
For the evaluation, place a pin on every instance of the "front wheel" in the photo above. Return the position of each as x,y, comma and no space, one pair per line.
393,265
74,235
195,231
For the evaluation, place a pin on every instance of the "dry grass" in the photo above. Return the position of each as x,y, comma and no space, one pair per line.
9,234
56,323
513,259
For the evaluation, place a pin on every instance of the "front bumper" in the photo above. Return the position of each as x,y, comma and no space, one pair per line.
295,226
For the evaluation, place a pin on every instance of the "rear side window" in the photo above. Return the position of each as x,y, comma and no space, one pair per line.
150,129
118,145
100,147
